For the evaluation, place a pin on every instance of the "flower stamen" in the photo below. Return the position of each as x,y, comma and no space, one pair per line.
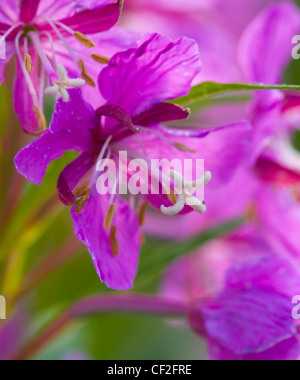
114,244
185,196
84,40
183,148
42,123
63,83
81,203
100,59
109,217
142,213
28,63
85,76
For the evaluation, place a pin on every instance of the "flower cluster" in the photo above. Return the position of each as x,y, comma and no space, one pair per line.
117,92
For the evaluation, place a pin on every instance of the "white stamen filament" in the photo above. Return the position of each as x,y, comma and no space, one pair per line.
45,61
60,36
65,27
185,197
48,35
10,30
42,81
63,83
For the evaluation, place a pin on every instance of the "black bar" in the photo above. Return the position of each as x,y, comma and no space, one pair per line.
144,368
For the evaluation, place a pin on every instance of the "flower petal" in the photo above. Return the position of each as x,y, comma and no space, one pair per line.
71,175
95,20
250,321
70,130
28,9
116,271
287,350
25,100
259,52
161,113
157,71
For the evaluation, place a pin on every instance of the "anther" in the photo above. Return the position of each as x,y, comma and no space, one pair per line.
42,123
28,63
81,189
114,244
84,40
81,204
100,59
142,212
109,217
183,148
85,76
143,239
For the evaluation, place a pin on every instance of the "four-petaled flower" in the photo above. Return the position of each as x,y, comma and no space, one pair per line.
136,85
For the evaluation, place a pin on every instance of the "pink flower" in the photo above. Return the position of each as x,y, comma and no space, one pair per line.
136,84
51,34
240,295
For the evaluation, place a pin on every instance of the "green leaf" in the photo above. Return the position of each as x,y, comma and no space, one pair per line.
207,90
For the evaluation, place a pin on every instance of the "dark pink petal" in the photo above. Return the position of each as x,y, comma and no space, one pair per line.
117,272
161,113
71,175
3,28
28,9
70,130
24,100
117,113
249,321
94,20
159,70
272,172
259,52
287,350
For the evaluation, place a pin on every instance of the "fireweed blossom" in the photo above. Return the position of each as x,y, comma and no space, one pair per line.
44,36
241,304
270,175
135,84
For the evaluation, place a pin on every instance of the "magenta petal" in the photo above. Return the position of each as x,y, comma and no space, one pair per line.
161,113
287,350
24,100
3,28
259,54
274,173
117,272
33,160
28,9
94,20
249,321
157,71
70,130
119,115
269,272
71,175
